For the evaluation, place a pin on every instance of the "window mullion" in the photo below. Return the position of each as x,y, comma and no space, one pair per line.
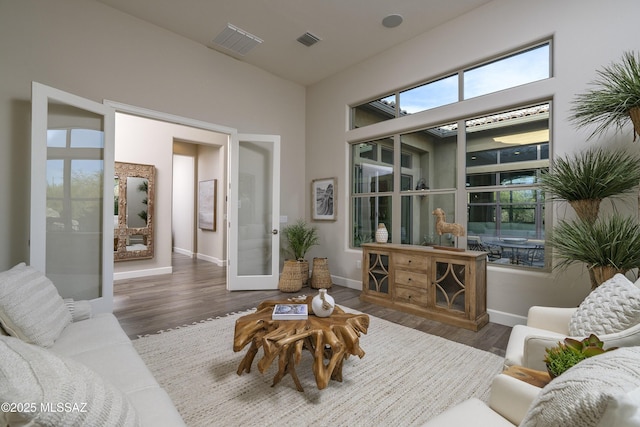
461,175
396,205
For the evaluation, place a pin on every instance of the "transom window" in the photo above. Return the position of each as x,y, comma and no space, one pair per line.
514,69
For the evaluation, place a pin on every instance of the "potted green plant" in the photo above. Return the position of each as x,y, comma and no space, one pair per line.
570,352
615,98
300,237
585,179
608,245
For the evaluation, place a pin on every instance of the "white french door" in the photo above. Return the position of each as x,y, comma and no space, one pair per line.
71,236
254,212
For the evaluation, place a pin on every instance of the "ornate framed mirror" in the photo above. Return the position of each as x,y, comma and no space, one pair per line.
133,196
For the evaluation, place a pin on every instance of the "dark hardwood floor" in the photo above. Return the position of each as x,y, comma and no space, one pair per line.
197,290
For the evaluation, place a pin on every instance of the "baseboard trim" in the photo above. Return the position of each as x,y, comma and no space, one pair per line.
217,261
495,316
347,283
507,319
142,273
183,252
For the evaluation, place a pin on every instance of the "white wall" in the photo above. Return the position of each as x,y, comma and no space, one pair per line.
96,52
587,34
183,223
212,165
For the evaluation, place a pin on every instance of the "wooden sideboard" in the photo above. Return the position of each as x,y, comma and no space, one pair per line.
443,285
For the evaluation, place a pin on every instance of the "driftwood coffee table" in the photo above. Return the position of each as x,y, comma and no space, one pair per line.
332,339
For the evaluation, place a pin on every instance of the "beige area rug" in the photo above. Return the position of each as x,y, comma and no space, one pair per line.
405,378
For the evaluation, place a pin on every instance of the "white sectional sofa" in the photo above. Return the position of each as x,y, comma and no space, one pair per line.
62,366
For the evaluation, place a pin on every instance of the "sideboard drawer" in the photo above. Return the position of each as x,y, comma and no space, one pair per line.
412,278
401,260
418,296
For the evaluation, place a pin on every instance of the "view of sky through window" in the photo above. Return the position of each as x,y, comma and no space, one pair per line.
515,70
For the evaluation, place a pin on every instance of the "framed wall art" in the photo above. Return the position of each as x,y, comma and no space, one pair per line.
323,199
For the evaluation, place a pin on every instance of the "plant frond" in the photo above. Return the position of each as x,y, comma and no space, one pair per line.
615,91
613,241
594,174
300,238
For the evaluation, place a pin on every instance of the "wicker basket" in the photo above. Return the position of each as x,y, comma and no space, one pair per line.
587,209
290,279
303,264
320,276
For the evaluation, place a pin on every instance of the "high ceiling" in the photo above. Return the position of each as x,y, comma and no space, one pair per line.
349,30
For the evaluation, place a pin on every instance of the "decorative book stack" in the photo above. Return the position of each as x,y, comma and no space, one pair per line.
290,312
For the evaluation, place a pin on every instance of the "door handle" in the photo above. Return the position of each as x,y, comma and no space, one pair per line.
274,231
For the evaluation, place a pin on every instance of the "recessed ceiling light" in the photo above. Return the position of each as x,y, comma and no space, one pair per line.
392,21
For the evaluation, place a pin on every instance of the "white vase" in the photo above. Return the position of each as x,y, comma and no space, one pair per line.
322,304
382,235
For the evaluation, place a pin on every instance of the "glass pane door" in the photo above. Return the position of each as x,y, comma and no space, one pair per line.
254,213
71,157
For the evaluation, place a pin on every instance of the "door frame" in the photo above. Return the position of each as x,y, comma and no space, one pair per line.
182,121
233,136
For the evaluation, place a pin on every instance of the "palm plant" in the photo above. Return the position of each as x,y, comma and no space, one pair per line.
614,100
608,246
300,238
585,179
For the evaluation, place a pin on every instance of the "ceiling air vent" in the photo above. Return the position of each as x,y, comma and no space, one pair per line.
236,40
308,39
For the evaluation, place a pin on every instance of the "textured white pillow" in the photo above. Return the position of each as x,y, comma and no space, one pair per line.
30,306
612,307
80,310
580,396
49,390
623,410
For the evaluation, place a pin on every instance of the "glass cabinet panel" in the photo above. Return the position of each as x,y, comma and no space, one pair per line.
450,285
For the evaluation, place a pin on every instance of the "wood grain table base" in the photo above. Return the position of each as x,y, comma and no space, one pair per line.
330,340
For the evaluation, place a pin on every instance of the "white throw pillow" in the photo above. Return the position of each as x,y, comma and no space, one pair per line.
38,387
623,410
580,396
30,306
612,307
80,310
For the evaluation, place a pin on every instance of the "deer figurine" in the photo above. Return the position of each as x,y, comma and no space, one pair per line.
444,227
